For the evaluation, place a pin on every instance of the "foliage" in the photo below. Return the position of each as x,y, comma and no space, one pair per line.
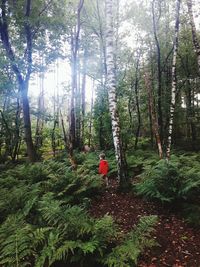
126,253
191,213
44,220
178,179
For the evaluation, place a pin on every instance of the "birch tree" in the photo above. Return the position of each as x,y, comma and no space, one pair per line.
111,86
174,82
159,71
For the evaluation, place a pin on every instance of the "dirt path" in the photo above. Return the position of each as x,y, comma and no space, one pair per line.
179,243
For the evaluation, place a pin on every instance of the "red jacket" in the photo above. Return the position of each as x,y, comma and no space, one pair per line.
103,167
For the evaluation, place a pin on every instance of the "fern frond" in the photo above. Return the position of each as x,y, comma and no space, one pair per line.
16,242
126,254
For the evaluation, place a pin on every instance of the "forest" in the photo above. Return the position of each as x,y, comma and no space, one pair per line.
81,80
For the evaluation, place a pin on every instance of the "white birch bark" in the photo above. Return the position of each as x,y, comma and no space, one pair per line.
174,82
111,86
194,32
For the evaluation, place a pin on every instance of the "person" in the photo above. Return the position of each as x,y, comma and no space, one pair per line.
103,167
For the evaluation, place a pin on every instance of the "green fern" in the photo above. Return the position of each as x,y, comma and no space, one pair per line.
126,254
16,242
160,182
191,213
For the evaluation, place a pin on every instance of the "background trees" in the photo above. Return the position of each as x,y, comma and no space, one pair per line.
70,38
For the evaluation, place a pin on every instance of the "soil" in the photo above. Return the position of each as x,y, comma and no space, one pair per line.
179,243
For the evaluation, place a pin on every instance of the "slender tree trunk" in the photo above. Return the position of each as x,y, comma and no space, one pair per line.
174,82
8,137
194,33
137,101
159,72
64,132
91,116
72,126
74,52
40,116
153,115
53,138
17,132
27,122
83,98
111,85
190,112
150,124
55,117
78,105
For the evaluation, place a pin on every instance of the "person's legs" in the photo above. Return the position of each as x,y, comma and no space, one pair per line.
105,178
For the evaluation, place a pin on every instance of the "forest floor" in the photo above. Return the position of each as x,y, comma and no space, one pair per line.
179,243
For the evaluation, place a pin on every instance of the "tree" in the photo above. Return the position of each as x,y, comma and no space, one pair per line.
153,114
111,86
75,35
159,72
174,83
22,78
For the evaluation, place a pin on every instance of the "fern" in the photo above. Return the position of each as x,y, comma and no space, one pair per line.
160,182
15,242
191,213
71,220
126,254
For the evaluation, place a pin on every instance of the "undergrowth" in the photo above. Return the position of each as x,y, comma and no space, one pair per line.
176,182
44,219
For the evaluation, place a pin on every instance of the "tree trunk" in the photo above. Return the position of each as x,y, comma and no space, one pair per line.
194,33
53,138
78,105
111,85
83,98
153,115
72,126
174,83
91,116
190,112
17,132
74,52
8,138
40,115
159,72
137,101
27,122
64,133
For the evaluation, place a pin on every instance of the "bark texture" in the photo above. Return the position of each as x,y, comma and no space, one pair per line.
111,85
174,82
159,71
